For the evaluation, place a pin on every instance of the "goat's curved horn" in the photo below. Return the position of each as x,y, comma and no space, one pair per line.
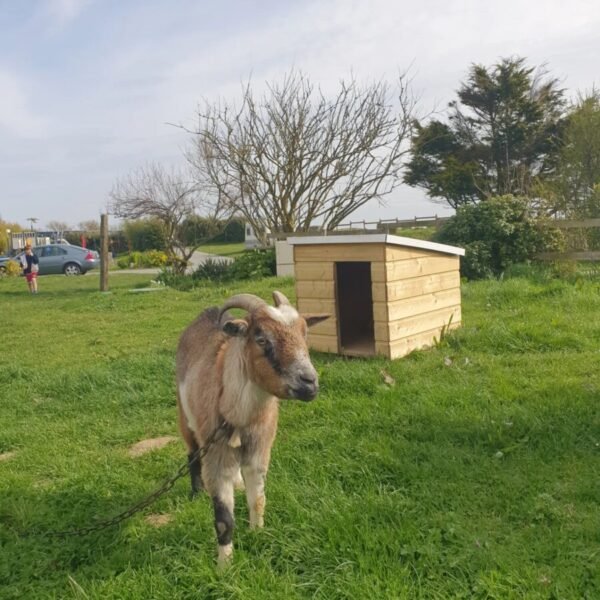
279,298
248,302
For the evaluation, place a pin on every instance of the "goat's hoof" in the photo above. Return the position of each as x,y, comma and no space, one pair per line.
225,556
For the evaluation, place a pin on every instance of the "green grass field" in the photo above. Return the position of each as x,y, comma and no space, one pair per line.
474,474
420,233
223,249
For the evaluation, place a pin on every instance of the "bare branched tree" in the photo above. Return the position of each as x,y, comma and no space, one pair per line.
295,157
59,226
168,196
90,226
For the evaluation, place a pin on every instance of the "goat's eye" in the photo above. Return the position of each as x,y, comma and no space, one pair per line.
261,341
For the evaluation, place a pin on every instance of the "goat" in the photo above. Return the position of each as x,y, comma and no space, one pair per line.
236,370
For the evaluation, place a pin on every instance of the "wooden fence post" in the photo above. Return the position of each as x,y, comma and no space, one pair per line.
104,253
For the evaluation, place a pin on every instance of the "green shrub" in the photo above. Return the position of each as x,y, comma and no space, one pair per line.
11,269
145,234
155,258
234,231
477,261
214,270
197,229
143,260
253,264
123,262
497,233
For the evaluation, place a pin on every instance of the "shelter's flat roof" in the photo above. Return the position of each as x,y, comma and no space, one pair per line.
376,238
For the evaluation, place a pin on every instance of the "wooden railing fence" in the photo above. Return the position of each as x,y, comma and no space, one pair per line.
587,254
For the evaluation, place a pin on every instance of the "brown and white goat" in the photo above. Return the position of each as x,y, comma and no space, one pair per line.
236,370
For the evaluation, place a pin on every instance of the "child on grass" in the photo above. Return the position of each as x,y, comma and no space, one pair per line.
30,266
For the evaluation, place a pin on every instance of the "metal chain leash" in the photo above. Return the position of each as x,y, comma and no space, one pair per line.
199,454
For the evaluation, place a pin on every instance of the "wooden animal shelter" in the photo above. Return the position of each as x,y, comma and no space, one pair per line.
387,295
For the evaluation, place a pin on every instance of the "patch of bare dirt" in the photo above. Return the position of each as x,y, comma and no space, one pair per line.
6,455
158,520
150,444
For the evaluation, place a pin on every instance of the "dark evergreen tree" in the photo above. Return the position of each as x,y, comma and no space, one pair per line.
502,135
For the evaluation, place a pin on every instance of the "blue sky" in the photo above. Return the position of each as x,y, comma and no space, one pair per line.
87,86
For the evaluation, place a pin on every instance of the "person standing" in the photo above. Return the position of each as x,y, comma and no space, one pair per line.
30,266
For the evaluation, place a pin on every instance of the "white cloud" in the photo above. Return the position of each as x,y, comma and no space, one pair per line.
62,12
17,117
370,38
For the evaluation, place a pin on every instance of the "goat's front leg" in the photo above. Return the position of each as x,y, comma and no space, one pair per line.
224,520
254,478
219,469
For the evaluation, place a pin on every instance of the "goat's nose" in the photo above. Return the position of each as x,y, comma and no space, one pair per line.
307,385
308,378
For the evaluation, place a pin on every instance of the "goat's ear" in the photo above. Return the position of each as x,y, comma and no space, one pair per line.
314,319
236,327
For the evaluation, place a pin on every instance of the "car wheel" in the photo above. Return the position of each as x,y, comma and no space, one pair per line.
72,269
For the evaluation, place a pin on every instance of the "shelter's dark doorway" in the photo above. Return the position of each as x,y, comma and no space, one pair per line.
354,299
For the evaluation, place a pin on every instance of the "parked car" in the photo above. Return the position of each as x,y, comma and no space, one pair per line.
61,258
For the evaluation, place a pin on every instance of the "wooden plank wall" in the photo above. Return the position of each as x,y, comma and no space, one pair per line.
315,284
420,292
